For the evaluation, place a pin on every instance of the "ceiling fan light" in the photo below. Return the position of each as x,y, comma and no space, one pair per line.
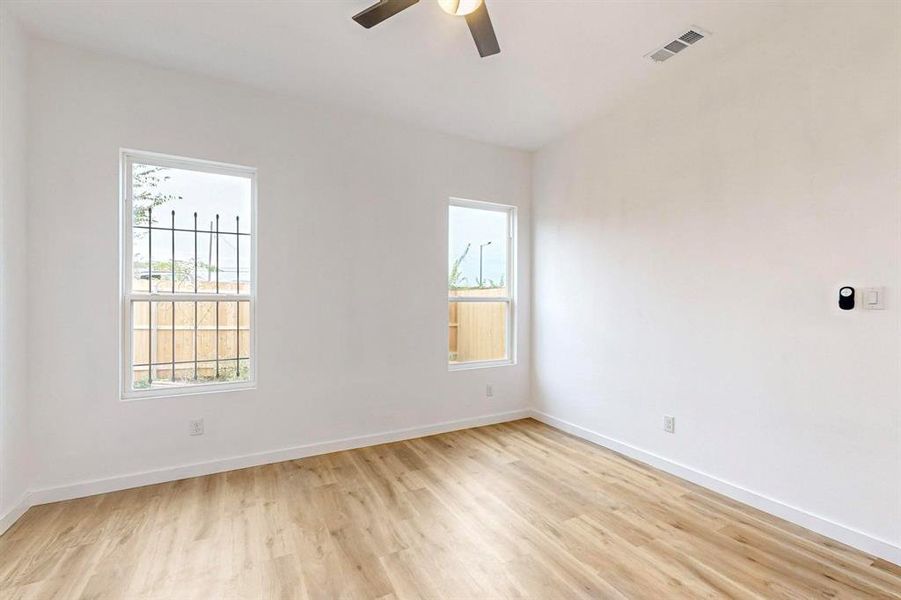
459,8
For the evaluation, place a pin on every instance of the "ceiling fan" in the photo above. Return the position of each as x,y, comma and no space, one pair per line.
475,12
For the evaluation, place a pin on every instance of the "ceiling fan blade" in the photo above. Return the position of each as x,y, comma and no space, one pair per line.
483,31
380,11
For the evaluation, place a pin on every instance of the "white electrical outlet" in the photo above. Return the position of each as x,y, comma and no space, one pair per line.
669,424
489,391
195,427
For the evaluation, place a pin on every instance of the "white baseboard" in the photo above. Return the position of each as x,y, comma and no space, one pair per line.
12,515
123,482
847,535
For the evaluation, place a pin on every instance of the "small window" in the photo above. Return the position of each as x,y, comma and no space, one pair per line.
188,275
480,284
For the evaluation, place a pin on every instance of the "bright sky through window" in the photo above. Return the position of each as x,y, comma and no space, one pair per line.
472,229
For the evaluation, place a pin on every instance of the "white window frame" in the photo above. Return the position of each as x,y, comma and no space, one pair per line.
509,299
127,297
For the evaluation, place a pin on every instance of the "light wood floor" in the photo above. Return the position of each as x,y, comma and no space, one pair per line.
513,510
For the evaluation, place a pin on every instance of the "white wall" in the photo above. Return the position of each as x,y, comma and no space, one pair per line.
688,250
352,332
13,341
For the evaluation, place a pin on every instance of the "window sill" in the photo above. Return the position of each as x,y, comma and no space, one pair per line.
485,364
194,390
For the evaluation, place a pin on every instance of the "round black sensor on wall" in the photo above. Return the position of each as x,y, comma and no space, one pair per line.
846,298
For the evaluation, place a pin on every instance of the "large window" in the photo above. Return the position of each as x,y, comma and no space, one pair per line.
188,275
480,284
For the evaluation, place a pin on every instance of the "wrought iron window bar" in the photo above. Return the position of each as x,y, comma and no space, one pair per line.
183,362
172,229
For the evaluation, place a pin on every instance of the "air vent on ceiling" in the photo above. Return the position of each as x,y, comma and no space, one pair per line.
690,37
675,46
679,44
661,55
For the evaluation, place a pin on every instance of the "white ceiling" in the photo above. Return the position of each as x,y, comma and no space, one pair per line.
561,62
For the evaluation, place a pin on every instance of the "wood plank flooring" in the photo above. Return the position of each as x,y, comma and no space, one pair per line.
512,510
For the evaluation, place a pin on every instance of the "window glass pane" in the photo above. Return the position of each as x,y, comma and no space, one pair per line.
184,261
159,242
140,331
140,378
206,372
477,331
140,244
206,262
477,251
228,323
206,331
163,332
233,370
222,201
160,248
184,332
244,327
244,266
229,247
190,234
